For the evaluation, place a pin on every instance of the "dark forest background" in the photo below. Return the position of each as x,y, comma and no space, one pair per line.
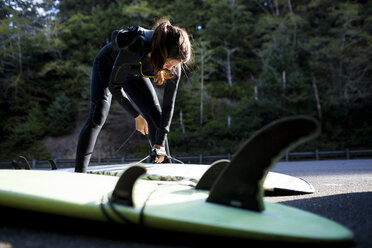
253,62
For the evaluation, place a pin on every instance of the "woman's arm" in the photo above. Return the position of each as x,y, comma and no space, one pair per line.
169,100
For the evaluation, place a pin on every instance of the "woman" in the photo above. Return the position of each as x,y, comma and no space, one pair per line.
123,68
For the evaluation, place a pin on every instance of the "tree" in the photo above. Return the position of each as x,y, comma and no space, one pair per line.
254,61
60,116
225,29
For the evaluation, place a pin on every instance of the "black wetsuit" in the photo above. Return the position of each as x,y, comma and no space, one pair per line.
122,69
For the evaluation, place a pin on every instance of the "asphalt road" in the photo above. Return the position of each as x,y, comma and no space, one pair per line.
343,194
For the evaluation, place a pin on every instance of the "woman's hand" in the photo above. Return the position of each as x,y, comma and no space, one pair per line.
141,125
160,158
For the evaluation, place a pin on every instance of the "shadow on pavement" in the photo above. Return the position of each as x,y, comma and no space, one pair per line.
353,210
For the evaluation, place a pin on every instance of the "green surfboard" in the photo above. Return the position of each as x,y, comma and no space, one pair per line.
230,206
169,207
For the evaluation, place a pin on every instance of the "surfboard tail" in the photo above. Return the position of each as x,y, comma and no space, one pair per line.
241,183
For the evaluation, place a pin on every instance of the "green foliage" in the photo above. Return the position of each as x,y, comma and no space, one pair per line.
60,116
218,89
282,80
36,150
31,128
68,77
188,97
259,61
23,133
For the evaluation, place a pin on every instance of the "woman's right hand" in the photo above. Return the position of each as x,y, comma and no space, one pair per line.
141,125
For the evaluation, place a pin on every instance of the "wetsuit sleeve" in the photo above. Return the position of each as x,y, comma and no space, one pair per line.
120,71
169,99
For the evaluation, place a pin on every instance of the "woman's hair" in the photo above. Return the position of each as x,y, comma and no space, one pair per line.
168,42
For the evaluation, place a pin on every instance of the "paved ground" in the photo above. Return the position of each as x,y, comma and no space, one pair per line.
343,193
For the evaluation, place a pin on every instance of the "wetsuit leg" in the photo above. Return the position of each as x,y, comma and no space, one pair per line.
99,109
142,93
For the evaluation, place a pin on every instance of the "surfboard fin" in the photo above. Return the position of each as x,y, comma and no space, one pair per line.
24,162
210,176
124,187
15,164
53,164
241,183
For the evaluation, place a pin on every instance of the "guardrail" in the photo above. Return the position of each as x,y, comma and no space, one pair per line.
202,159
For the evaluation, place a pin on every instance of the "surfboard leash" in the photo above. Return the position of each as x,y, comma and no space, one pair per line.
108,202
123,144
142,211
153,153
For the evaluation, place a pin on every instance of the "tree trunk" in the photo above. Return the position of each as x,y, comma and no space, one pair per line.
19,55
316,94
290,6
255,89
229,51
228,67
295,24
181,123
201,84
276,7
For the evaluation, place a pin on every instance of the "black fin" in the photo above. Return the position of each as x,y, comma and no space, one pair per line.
53,164
25,163
123,190
241,183
210,176
15,165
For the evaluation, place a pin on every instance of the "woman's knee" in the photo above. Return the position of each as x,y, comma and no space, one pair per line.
100,110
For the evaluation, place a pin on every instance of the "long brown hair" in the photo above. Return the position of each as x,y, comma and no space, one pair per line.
168,42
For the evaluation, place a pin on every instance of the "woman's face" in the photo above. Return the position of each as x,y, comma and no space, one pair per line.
170,63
